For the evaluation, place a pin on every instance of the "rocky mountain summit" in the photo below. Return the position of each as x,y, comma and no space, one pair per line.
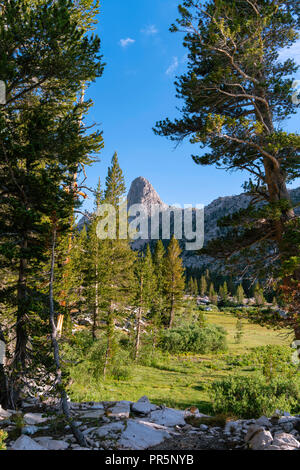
142,192
125,425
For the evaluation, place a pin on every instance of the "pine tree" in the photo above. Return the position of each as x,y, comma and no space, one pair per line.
190,286
223,292
115,183
259,295
159,300
145,277
195,286
203,286
116,276
42,141
213,297
93,263
236,94
240,294
239,333
174,283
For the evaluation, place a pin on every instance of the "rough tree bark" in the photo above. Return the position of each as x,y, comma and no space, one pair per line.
3,379
21,333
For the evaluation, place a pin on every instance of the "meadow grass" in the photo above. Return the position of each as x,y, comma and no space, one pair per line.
179,381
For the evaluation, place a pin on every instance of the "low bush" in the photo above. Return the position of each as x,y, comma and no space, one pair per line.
271,360
85,357
3,437
252,397
193,338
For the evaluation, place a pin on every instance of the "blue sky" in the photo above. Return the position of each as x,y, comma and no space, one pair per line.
136,90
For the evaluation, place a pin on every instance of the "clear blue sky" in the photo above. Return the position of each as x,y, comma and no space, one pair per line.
136,90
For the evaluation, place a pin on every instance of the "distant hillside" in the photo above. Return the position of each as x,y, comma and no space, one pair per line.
142,192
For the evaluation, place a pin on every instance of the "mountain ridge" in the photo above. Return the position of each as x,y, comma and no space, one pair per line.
142,192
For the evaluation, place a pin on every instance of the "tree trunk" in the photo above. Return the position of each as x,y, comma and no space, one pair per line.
110,326
21,333
4,401
172,312
138,334
107,353
138,321
277,189
96,308
63,395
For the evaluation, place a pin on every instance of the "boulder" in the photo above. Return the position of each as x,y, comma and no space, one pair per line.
111,430
96,406
252,430
283,439
26,443
120,410
4,414
263,421
34,418
168,417
143,406
287,427
261,440
233,427
29,430
52,444
141,435
92,414
272,447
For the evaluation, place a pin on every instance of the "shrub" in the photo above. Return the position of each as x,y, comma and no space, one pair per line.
251,397
119,372
3,437
87,357
193,338
271,360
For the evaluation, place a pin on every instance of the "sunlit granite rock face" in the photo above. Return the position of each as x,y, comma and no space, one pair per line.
142,192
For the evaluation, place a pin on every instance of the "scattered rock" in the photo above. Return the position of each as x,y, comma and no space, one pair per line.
52,444
203,427
92,414
111,427
232,427
110,430
120,410
263,421
141,435
26,443
4,414
29,430
260,440
252,430
284,439
34,418
143,406
96,406
168,417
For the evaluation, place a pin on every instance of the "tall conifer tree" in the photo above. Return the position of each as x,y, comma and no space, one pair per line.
174,278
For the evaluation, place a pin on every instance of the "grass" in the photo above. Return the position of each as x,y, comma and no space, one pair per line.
254,335
179,381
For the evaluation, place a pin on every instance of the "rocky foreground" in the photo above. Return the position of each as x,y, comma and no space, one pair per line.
142,425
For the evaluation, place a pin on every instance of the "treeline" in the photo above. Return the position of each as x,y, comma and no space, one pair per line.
222,289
